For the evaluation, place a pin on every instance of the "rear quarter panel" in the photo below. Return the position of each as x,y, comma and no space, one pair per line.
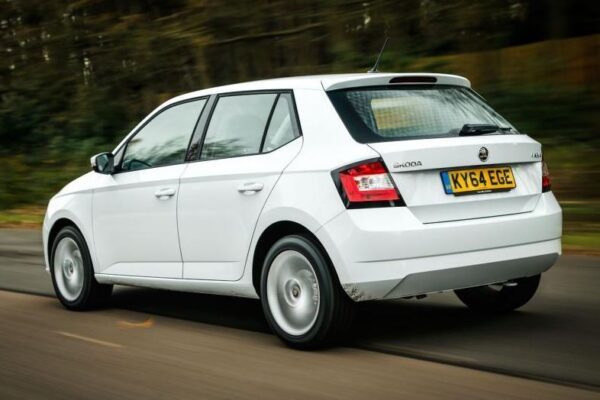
305,193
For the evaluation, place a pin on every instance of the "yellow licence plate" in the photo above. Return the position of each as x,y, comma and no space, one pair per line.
478,180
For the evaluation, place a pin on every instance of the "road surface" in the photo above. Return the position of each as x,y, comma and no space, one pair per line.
160,344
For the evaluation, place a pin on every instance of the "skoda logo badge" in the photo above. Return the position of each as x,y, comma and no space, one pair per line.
483,154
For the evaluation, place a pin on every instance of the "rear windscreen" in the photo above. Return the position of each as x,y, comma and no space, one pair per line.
412,112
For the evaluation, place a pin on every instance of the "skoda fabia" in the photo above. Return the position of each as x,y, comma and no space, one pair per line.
313,193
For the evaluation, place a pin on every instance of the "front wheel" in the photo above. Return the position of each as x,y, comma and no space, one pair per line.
73,274
500,298
301,297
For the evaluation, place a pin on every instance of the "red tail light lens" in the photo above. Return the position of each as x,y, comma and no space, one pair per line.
369,182
546,181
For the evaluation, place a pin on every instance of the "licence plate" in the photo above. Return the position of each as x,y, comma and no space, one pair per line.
478,180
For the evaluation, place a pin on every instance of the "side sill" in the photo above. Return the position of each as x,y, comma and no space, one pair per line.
224,288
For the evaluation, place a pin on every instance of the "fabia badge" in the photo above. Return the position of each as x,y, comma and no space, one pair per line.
483,154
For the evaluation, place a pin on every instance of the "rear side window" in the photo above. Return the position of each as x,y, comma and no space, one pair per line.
164,140
237,125
412,112
282,126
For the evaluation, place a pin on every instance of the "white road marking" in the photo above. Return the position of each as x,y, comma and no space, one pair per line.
88,339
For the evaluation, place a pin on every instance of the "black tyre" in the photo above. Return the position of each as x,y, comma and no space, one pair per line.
73,274
500,298
301,296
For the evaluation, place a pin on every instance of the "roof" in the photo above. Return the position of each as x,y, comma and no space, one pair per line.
325,82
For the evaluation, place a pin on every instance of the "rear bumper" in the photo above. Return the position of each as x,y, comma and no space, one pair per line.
386,253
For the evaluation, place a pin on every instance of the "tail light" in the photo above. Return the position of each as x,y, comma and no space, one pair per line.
546,181
367,184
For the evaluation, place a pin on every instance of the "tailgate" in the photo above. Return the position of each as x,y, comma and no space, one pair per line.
416,167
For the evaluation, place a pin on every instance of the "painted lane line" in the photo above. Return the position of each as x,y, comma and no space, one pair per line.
88,339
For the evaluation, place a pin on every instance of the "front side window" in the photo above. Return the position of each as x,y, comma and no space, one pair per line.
164,140
396,113
237,125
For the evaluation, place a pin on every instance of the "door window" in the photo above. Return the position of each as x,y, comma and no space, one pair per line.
164,140
282,127
237,125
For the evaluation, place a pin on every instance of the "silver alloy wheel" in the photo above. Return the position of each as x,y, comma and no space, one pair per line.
68,269
293,292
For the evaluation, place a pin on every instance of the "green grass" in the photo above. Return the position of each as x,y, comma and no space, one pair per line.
29,217
587,242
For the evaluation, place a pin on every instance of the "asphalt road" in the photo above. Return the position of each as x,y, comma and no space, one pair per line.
162,344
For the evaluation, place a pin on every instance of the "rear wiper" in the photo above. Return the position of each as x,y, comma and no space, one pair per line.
477,129
482,129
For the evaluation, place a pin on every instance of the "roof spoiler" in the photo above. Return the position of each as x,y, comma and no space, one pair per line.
385,79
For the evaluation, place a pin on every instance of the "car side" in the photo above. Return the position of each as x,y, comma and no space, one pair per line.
265,214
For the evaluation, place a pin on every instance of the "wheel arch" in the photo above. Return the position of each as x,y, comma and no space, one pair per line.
56,227
271,235
73,209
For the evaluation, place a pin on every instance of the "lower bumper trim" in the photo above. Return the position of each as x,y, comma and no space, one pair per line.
451,278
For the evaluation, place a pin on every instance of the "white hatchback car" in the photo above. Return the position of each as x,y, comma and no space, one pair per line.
312,193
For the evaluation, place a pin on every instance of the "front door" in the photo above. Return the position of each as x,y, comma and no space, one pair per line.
135,209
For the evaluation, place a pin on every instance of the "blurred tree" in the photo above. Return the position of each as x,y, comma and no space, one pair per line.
76,75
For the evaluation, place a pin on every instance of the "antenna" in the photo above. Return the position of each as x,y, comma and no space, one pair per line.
376,66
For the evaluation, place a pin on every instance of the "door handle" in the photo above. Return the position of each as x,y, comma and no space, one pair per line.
250,187
165,193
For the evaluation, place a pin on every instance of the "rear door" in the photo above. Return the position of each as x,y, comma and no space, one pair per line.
249,140
429,139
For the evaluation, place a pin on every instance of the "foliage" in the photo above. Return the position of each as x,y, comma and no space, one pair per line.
77,75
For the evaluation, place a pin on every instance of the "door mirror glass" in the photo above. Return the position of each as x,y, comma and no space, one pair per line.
103,163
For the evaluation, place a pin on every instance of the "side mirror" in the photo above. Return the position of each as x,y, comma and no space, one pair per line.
103,163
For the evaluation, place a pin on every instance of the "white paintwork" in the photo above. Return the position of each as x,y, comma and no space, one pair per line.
385,245
219,204
73,203
227,288
420,185
334,82
136,238
135,232
444,153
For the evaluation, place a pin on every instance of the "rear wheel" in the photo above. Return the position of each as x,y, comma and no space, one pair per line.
301,297
72,272
500,298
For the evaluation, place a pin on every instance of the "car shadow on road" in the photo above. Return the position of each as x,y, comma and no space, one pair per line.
375,321
233,312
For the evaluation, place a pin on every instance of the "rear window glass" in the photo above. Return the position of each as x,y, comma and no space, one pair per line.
396,113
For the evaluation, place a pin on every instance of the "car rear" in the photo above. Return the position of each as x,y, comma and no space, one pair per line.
456,198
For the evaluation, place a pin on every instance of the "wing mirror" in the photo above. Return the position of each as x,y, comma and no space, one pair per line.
103,163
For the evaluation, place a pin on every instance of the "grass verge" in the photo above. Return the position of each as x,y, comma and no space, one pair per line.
27,217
